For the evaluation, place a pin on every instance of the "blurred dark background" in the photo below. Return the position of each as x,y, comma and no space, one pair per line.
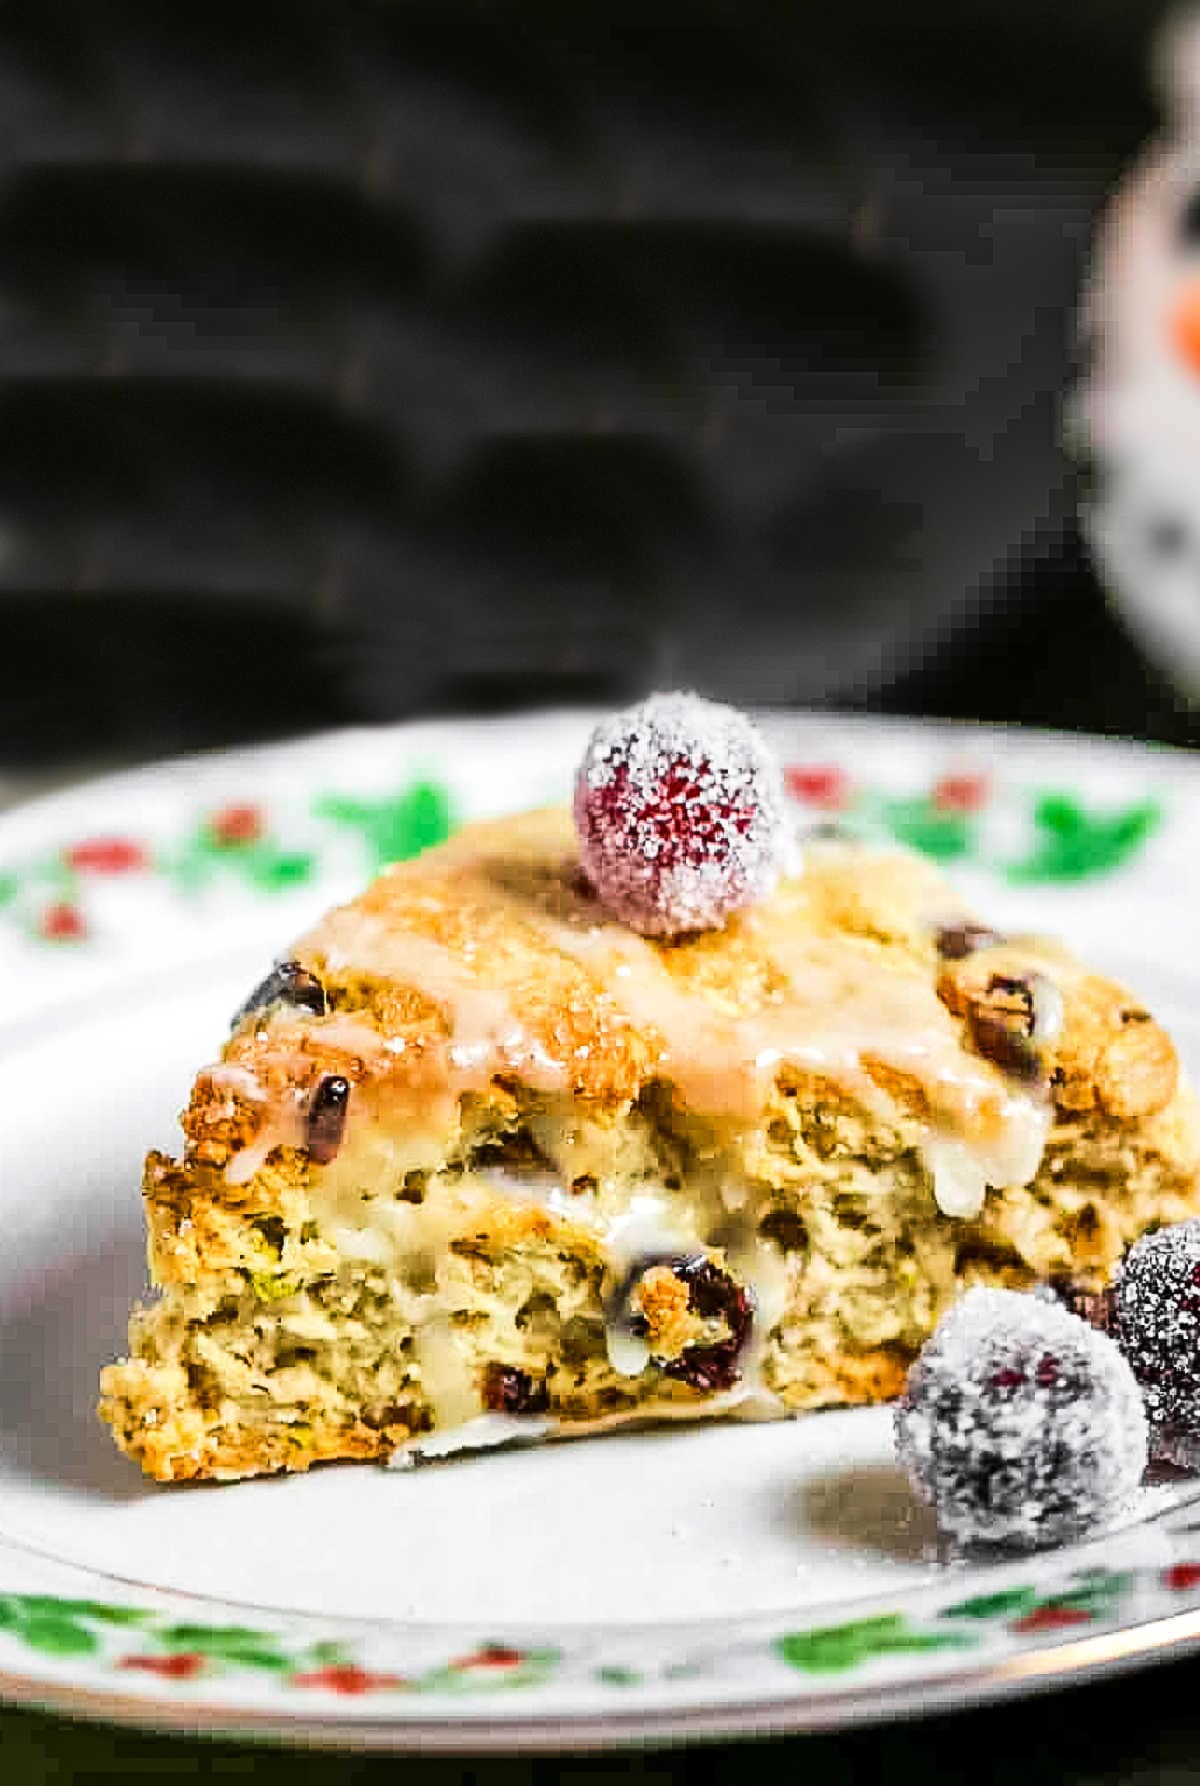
366,360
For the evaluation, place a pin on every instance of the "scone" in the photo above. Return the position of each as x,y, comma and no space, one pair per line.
481,1160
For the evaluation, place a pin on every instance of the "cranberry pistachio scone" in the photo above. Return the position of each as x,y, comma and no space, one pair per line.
484,1159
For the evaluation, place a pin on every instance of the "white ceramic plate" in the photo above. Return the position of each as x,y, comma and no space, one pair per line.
733,1579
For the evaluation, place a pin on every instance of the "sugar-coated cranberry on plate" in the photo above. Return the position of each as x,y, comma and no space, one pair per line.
1158,1323
1021,1425
680,812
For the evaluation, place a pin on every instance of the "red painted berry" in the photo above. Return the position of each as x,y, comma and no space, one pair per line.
492,1655
960,793
62,923
679,810
106,855
1181,1576
348,1678
1052,1618
182,1667
822,784
233,825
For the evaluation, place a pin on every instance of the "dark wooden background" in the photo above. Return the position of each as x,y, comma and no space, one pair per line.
412,355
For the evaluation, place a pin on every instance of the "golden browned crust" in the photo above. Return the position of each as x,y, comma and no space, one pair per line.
1110,1055
498,899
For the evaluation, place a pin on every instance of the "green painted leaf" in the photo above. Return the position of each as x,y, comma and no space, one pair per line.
273,869
613,1676
945,836
394,829
1096,1592
104,1614
190,866
9,885
57,1636
1012,1601
271,1660
540,1658
1071,843
213,1637
328,1655
836,1648
54,1606
56,876
423,819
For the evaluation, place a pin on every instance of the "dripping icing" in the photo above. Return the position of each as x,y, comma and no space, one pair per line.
844,1012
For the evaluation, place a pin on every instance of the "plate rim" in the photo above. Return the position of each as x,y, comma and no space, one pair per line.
1011,735
502,1726
1074,1661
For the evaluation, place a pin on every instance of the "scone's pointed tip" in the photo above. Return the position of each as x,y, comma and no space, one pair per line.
680,812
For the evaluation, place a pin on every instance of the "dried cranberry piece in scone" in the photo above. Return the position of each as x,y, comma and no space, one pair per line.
680,813
287,984
326,1123
507,1390
956,941
1020,1424
1012,1020
664,1301
714,1295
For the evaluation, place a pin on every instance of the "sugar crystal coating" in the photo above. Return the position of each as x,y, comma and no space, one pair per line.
680,812
1020,1425
1158,1323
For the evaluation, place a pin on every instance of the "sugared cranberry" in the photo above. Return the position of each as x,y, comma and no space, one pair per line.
507,1390
287,984
326,1124
680,815
1046,1372
1019,1424
1158,1324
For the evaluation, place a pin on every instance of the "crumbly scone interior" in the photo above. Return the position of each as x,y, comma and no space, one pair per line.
547,1115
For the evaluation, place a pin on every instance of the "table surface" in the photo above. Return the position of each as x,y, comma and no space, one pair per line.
1143,1727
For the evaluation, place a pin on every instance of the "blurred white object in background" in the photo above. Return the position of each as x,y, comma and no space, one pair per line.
1137,414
